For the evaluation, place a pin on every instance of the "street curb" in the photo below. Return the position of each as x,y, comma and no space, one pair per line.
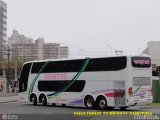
150,107
10,101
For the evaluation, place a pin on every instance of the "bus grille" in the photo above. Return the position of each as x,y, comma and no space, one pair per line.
119,93
138,81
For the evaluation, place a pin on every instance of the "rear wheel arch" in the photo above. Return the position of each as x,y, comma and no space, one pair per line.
101,96
41,95
43,99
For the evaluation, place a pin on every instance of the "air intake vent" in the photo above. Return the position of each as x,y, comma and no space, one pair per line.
119,93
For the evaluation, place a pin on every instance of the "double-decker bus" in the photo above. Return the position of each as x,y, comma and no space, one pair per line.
101,82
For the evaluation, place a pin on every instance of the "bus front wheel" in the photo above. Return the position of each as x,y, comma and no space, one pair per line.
89,102
34,99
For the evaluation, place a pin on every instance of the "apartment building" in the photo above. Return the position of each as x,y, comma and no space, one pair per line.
25,48
51,50
3,27
153,50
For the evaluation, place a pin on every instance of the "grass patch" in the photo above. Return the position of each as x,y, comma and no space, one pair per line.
154,104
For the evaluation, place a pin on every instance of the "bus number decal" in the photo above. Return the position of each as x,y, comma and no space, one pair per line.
141,62
55,76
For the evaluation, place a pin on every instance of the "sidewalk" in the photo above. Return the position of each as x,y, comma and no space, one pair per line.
8,97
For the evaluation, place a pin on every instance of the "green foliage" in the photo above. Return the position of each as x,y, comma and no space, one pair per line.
154,104
10,67
156,91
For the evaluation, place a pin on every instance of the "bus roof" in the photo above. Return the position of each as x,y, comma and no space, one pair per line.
78,58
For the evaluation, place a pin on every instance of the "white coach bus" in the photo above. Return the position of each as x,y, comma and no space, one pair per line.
102,82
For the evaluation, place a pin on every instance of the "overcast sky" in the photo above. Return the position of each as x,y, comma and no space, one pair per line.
88,26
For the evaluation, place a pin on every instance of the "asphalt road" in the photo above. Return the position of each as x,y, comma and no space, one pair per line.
27,111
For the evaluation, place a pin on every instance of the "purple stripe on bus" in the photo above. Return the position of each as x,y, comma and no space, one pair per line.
80,101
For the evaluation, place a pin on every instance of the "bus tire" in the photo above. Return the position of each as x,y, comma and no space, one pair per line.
123,108
101,103
44,100
53,104
110,108
89,102
34,99
63,105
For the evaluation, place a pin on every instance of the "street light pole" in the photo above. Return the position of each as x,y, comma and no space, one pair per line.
8,79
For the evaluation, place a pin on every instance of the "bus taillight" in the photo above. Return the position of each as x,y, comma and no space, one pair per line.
130,91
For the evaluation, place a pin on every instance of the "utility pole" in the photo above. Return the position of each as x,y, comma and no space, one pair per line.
79,52
110,48
4,79
119,52
8,75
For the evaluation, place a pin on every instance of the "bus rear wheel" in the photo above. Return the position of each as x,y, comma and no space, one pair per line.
123,108
44,100
101,103
89,102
